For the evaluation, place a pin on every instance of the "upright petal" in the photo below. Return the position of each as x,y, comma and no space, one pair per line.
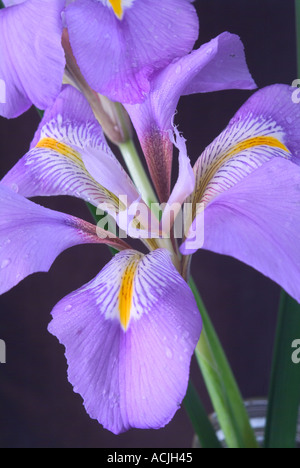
32,58
258,222
184,186
69,143
117,54
129,336
31,237
218,65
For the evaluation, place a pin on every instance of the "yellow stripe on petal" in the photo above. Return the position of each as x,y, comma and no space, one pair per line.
234,150
61,148
126,292
257,141
75,157
117,7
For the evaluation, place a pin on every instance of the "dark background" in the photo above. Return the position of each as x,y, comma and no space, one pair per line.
37,405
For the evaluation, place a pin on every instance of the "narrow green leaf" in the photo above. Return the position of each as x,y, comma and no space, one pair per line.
40,112
221,384
199,419
1,4
284,396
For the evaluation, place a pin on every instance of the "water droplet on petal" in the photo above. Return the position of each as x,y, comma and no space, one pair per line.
15,188
169,353
69,307
5,263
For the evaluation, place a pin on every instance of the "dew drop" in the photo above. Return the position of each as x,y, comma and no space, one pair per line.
169,353
15,188
5,263
69,307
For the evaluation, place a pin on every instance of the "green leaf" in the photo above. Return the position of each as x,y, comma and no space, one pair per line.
284,396
221,384
1,4
199,419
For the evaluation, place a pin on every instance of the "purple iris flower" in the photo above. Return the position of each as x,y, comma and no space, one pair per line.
248,183
130,333
217,65
118,45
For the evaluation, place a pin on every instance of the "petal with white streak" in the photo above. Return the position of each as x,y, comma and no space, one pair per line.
264,128
69,143
129,337
258,222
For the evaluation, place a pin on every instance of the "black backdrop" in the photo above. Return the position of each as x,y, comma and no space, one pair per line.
37,405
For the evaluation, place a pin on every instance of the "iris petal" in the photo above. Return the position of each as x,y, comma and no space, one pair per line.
117,58
31,237
218,65
257,222
32,58
68,138
133,376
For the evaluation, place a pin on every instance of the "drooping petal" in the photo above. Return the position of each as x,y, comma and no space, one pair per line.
218,65
118,55
31,237
129,336
69,143
258,222
32,58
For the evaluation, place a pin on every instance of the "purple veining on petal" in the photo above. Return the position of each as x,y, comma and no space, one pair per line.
136,378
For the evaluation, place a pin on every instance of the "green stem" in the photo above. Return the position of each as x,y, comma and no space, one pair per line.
219,379
221,384
199,419
284,396
137,172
